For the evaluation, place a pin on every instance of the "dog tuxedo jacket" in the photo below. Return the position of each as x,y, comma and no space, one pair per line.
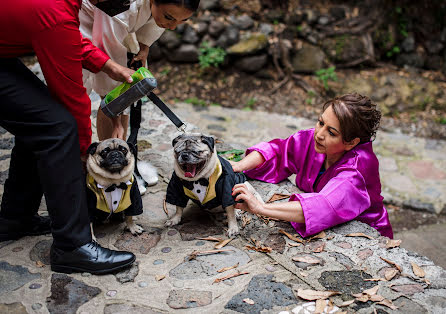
103,201
206,192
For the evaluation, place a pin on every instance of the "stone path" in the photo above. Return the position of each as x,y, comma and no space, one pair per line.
168,279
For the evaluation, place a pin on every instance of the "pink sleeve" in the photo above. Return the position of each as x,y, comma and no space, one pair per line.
93,58
281,159
342,199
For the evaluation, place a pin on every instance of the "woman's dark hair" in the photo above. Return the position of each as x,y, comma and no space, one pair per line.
188,4
358,116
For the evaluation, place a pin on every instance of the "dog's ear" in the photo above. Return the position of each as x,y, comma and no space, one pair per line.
176,139
92,148
132,148
209,141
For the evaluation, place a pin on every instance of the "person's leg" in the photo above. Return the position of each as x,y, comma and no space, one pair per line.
45,128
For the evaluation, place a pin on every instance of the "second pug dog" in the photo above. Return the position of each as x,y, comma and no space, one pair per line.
202,176
111,186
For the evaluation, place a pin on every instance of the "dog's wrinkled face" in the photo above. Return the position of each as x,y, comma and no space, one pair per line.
194,155
111,159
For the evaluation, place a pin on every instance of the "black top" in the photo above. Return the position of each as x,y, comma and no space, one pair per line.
223,188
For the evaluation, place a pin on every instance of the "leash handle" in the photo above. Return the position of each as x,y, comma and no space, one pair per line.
169,113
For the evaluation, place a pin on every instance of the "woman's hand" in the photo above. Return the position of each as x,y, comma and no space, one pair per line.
142,54
117,72
250,202
118,129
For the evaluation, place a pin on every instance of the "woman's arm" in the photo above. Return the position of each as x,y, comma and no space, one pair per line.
289,211
250,161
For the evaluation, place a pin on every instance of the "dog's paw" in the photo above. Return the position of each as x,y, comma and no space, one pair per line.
135,229
238,213
233,231
173,221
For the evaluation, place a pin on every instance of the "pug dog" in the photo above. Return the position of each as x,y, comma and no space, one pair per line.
111,186
202,176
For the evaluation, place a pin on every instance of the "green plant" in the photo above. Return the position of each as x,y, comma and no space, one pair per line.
210,56
249,104
195,101
165,71
310,99
442,120
394,51
233,154
326,75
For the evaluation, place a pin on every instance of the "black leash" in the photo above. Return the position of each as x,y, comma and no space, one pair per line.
169,113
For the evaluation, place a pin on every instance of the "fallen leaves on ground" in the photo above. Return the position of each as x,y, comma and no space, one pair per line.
371,295
278,197
165,208
390,244
319,248
320,235
320,306
311,295
417,270
222,243
306,259
227,268
391,263
40,264
194,254
390,273
290,236
230,276
248,301
159,277
388,303
359,234
245,220
347,303
258,246
211,238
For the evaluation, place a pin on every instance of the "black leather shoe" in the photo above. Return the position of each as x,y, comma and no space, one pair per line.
91,258
12,229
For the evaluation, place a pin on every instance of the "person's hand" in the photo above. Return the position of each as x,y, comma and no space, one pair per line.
250,203
235,166
142,54
118,129
117,72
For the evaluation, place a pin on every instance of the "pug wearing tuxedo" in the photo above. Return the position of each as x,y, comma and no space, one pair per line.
111,187
202,176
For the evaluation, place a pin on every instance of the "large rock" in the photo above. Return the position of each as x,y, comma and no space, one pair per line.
347,48
185,53
309,59
251,45
251,64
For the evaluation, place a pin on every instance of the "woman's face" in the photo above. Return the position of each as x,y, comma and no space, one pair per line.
328,138
169,15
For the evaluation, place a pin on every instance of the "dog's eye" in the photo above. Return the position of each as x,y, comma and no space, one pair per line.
104,152
123,150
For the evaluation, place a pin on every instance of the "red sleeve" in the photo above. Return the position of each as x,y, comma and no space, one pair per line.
60,53
93,58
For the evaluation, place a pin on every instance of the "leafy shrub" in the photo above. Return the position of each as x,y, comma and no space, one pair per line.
326,75
210,56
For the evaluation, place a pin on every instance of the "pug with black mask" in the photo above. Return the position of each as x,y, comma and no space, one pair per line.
203,177
111,186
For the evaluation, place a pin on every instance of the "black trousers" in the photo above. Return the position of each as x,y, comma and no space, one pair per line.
45,159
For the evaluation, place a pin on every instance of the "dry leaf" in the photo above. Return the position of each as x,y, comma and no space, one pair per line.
263,249
347,303
230,276
227,268
277,197
320,235
376,298
40,264
390,273
388,303
359,234
391,263
159,277
371,291
194,254
245,220
330,306
248,301
306,259
165,208
319,248
392,243
210,238
361,297
320,306
294,244
303,274
290,236
375,279
312,295
417,270
222,243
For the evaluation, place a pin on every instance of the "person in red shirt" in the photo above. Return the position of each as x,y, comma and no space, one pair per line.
52,130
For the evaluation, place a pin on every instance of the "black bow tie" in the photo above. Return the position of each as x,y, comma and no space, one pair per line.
113,187
190,184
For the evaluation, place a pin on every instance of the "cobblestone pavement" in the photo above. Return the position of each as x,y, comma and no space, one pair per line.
167,278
